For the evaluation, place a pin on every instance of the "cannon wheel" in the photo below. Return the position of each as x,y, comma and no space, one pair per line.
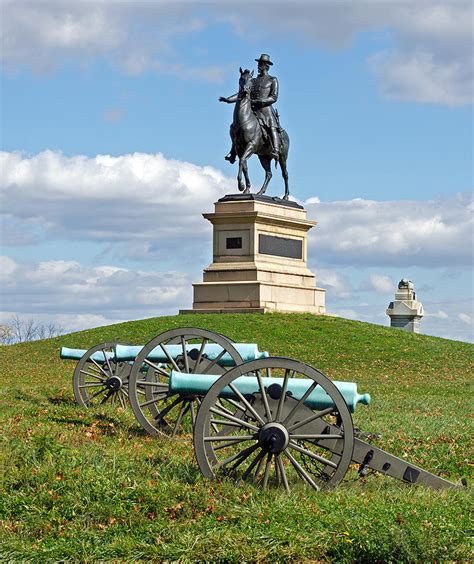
96,383
276,439
156,409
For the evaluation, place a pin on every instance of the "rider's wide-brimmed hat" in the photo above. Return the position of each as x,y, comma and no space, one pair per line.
265,59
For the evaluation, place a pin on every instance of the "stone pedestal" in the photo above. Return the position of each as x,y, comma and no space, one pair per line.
405,312
260,259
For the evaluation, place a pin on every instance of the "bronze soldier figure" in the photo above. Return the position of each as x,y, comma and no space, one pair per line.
263,94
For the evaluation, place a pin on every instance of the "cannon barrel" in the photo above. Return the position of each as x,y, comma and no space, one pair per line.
76,354
248,351
199,384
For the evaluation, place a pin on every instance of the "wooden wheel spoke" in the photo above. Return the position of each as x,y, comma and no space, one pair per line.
266,473
264,396
301,471
282,472
170,358
237,438
99,367
215,361
234,419
312,455
281,401
316,415
201,351
225,445
107,360
122,401
95,395
107,396
226,423
156,367
223,408
152,400
259,468
185,354
102,379
241,456
252,465
91,385
244,400
164,412
305,396
184,409
152,384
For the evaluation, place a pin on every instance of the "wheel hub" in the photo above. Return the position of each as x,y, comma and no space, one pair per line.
273,438
114,383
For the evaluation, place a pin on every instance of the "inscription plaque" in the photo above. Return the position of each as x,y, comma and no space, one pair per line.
233,243
280,246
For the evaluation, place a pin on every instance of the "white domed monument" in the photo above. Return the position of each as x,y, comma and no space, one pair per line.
405,312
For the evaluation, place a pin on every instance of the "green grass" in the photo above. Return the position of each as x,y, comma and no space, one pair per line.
89,484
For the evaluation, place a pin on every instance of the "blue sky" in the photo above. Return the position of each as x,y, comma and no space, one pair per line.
113,143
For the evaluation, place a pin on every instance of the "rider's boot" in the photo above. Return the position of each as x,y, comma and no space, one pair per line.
231,156
275,143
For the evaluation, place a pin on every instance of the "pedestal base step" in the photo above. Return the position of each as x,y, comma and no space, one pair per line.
226,310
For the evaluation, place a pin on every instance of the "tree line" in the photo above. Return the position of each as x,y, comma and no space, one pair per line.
19,330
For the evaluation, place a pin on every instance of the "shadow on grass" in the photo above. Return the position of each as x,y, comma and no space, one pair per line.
70,420
61,401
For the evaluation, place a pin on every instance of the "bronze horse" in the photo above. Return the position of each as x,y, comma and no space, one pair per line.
249,139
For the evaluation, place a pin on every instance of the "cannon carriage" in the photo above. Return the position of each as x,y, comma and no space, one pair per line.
270,420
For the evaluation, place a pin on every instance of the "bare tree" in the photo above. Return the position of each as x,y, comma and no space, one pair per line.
23,330
6,334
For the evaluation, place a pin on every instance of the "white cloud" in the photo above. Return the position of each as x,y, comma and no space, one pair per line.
7,267
369,233
132,199
77,296
465,318
134,36
143,207
333,282
431,56
438,314
381,283
419,77
430,60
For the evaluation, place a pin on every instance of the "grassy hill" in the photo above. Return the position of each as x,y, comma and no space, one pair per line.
89,484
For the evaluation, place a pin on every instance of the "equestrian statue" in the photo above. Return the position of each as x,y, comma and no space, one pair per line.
255,129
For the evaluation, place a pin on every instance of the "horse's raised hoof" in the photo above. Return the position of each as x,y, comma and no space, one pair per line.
230,157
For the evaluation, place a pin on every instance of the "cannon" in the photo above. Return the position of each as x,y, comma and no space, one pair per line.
271,420
102,374
99,377
279,421
190,350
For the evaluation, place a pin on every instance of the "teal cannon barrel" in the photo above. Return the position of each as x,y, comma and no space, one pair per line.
199,384
248,351
76,354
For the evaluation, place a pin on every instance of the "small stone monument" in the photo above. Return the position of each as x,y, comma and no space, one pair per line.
405,312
